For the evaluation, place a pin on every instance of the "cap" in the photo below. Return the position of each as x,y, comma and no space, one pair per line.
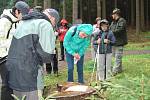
104,21
54,13
23,7
116,11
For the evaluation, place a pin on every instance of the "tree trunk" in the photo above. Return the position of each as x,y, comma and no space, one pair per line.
81,6
75,11
49,3
147,17
142,16
104,9
35,2
99,9
116,3
64,9
132,13
137,17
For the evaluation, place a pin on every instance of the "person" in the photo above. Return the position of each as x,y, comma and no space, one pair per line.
9,20
76,40
61,34
53,65
31,46
96,30
118,27
104,39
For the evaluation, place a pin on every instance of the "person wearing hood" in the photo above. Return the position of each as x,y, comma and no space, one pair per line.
76,41
31,46
61,34
8,21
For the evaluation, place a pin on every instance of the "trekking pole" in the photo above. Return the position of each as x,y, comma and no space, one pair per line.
105,56
95,63
105,60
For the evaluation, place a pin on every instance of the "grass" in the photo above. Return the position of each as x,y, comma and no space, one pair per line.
133,65
138,46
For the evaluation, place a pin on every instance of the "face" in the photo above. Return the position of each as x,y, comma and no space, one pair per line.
18,14
82,35
104,27
53,21
51,18
113,16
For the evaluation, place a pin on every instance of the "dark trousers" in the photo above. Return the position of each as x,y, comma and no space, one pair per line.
62,50
70,63
53,65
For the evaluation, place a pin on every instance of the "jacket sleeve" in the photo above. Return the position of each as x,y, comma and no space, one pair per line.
67,40
112,38
47,41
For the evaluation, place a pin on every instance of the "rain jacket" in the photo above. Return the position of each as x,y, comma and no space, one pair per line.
73,43
31,46
4,28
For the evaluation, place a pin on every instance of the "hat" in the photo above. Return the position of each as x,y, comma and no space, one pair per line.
116,11
23,7
54,13
87,28
104,21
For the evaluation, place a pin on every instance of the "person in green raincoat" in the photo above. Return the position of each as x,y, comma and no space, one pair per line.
76,41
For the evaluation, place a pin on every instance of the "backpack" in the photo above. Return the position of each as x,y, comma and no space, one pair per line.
7,17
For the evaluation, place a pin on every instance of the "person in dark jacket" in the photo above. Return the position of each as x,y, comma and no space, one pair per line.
31,46
104,39
118,27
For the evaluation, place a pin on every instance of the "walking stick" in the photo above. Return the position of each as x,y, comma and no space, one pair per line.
105,56
95,63
105,60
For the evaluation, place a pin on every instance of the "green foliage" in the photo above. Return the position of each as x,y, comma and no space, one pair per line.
129,88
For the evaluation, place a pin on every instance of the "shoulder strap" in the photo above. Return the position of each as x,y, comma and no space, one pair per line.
5,16
74,32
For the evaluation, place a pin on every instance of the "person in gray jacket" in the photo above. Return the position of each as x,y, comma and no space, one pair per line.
31,46
118,27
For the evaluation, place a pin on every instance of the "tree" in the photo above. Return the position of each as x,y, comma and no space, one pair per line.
45,4
132,12
75,11
64,9
104,9
147,17
137,17
99,9
35,2
116,3
142,16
